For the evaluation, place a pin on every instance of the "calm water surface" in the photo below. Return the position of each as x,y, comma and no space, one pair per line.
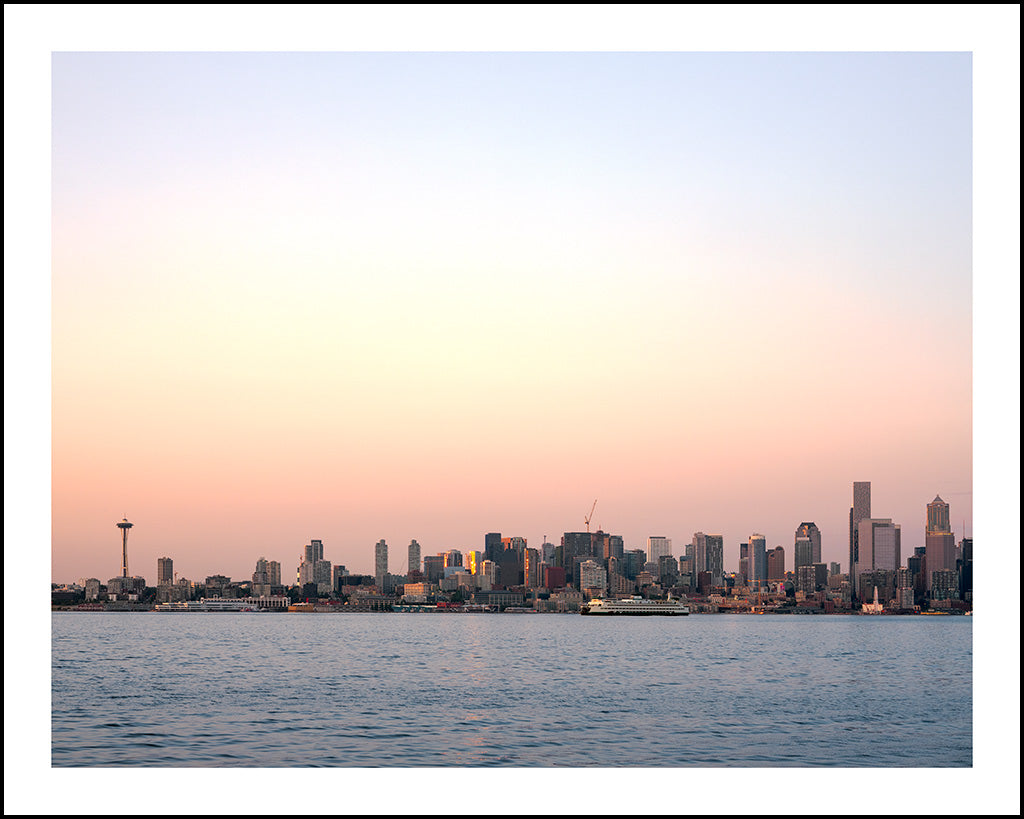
406,690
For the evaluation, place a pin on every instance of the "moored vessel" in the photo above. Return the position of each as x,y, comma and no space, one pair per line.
634,606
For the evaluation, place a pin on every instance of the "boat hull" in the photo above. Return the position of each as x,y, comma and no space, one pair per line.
635,613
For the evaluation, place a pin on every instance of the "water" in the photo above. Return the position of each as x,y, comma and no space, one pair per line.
408,690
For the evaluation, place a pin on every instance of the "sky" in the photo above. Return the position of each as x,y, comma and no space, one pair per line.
39,284
354,296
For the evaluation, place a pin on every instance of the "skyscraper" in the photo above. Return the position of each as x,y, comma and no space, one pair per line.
658,547
939,542
707,555
575,548
803,552
777,564
938,516
714,546
312,558
414,556
164,571
878,548
261,578
860,510
492,546
966,563
433,568
380,564
614,547
474,561
757,560
531,568
809,530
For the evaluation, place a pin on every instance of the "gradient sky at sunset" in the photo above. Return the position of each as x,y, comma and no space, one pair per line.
426,295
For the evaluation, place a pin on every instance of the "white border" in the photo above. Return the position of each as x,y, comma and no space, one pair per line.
991,32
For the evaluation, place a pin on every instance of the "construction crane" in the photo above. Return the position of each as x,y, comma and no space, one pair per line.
586,520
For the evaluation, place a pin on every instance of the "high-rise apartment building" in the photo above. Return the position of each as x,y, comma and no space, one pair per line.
593,576
312,570
658,547
323,573
164,571
414,556
452,558
261,579
707,552
314,551
860,510
380,564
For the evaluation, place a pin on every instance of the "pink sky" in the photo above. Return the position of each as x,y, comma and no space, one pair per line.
398,296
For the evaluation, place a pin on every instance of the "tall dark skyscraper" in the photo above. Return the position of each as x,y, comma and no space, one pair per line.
861,510
576,547
808,529
493,546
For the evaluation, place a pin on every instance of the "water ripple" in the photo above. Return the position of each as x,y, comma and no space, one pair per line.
492,691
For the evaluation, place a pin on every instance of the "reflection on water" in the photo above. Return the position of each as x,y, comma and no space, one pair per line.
501,690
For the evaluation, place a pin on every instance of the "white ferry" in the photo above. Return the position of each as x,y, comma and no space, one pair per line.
212,604
636,606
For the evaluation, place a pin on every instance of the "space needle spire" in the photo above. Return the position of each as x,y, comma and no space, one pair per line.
124,526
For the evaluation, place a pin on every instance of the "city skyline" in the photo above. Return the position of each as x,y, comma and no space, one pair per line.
376,562
354,296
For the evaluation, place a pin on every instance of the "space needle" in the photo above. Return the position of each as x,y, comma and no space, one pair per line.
124,526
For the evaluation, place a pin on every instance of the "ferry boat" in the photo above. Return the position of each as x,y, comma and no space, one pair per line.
211,604
635,606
